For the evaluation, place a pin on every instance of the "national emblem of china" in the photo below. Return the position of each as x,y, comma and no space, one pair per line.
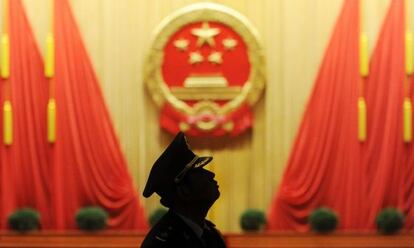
205,70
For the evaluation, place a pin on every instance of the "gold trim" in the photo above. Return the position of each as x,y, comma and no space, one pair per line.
184,126
204,12
206,107
205,93
228,126
206,125
205,81
202,162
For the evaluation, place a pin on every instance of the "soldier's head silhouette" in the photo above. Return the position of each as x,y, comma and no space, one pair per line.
178,175
189,190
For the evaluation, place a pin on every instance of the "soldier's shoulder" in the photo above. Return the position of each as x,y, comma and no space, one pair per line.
162,234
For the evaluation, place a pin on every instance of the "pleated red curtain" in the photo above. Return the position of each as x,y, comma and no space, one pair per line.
25,169
386,153
408,206
324,168
327,166
85,166
88,165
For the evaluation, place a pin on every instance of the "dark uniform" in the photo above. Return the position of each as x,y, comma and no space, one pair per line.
175,230
172,231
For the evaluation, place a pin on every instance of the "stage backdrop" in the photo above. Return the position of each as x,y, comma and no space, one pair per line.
294,36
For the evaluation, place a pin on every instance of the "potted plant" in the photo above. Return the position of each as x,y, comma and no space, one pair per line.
92,218
389,221
24,220
252,220
156,215
323,220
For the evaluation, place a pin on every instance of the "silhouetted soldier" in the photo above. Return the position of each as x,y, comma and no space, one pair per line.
188,190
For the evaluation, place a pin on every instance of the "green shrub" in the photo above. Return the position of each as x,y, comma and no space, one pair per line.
389,221
91,218
24,220
252,220
156,215
323,220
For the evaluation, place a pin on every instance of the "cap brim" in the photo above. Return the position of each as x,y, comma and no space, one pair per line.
199,163
202,161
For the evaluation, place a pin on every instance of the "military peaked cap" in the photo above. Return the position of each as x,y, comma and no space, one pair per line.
171,167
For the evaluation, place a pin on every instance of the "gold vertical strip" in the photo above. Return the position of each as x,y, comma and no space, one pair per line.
362,119
7,123
50,56
5,73
49,73
50,43
409,62
5,44
51,120
407,120
409,56
5,56
363,43
364,71
363,55
407,105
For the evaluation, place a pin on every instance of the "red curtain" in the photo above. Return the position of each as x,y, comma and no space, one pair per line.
85,166
88,165
385,152
327,165
324,168
25,170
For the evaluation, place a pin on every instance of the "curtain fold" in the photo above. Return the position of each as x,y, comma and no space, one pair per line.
85,166
25,163
386,153
88,165
324,165
327,166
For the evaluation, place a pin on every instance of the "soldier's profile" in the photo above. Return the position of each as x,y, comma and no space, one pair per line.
188,190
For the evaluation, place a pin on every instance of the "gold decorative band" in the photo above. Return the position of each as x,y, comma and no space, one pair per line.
207,93
205,81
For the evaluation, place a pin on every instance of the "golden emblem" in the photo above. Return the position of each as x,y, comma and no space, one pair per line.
205,62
